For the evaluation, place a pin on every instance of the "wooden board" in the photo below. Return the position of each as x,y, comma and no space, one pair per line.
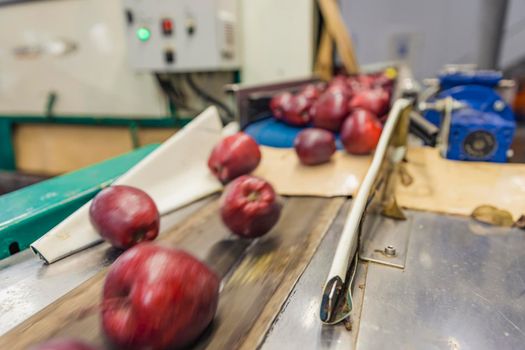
454,187
336,27
262,274
57,149
325,56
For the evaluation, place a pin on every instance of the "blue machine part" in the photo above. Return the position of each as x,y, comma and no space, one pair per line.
487,78
479,136
271,132
484,130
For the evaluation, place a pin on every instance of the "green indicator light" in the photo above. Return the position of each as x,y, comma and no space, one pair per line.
143,34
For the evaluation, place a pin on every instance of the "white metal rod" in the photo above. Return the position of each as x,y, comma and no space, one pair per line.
348,242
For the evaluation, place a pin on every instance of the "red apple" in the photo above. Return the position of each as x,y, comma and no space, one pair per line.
366,81
280,103
338,81
354,85
156,297
383,81
63,344
297,114
311,91
360,132
340,88
330,109
314,146
234,156
249,207
124,216
375,101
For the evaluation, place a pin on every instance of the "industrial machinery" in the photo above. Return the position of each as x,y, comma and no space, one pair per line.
476,122
182,35
432,280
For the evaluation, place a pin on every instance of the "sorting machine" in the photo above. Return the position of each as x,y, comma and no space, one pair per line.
335,273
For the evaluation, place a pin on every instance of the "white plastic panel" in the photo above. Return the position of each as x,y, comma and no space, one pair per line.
203,38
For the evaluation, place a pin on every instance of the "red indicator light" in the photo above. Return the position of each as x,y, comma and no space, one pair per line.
167,26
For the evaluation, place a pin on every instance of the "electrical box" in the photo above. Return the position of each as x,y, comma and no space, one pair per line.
182,35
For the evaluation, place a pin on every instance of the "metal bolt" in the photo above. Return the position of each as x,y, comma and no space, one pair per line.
499,105
390,250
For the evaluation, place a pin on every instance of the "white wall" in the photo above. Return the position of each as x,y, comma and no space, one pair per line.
94,79
436,32
513,48
277,39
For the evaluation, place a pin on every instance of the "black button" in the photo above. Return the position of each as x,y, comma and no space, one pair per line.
129,17
169,56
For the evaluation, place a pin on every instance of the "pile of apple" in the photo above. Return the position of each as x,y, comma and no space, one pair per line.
156,297
353,106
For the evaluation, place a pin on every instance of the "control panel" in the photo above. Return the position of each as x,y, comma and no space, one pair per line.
182,35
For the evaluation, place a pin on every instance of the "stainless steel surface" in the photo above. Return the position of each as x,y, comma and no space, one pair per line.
381,234
298,325
27,286
463,287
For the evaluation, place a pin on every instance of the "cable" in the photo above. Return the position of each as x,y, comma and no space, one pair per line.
207,97
174,95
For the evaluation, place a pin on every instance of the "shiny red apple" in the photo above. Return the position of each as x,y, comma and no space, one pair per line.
249,206
381,80
233,156
297,113
375,101
314,146
312,91
339,81
63,344
156,298
360,132
366,81
330,109
280,103
124,216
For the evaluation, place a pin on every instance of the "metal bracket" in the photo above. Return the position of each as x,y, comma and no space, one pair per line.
386,241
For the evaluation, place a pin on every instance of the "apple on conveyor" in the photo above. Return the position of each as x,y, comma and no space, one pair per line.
314,146
233,156
361,132
249,206
156,298
331,108
124,216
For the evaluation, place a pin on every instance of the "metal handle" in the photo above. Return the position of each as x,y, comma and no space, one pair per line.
347,245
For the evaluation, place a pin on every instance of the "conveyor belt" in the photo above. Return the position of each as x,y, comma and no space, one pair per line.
463,287
258,276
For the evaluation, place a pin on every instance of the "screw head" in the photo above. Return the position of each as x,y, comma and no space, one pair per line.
390,250
499,105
